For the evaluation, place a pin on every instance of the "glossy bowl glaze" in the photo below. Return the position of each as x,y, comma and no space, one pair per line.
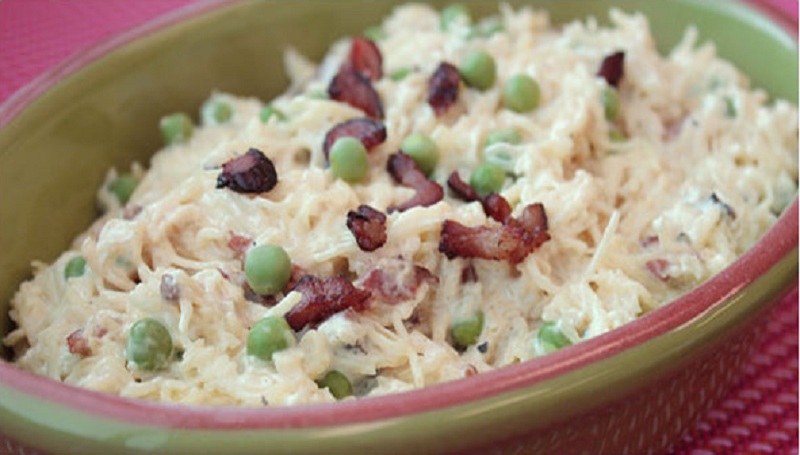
632,390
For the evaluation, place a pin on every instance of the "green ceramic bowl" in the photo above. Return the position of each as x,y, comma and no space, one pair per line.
634,389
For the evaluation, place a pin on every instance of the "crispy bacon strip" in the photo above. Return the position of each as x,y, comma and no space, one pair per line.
443,88
386,286
368,227
351,87
322,298
612,68
78,344
365,58
249,173
461,189
405,171
512,242
370,132
494,205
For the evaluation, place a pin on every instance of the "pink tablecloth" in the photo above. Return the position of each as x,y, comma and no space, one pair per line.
760,415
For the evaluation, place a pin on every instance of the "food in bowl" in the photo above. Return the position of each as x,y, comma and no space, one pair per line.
399,217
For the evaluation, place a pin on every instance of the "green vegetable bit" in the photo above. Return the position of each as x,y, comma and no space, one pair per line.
552,337
75,267
610,100
503,136
521,93
268,112
349,161
501,159
487,179
465,333
399,74
452,14
616,135
215,112
338,384
268,336
422,150
375,33
478,70
318,95
730,107
176,128
123,187
267,269
149,345
486,28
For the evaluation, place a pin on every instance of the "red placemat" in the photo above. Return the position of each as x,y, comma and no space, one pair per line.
759,415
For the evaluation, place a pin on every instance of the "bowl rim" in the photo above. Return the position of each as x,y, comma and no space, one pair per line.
779,242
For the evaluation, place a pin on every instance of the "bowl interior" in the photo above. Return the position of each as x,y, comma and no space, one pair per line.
55,153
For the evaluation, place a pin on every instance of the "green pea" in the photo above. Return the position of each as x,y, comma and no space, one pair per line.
521,93
730,107
551,337
338,384
486,28
375,33
465,333
267,269
478,70
149,345
268,112
399,74
215,112
123,187
452,14
176,128
423,150
75,267
487,179
610,100
501,159
504,136
268,336
349,159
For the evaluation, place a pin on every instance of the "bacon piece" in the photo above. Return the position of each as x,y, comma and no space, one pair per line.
612,68
649,241
388,286
78,344
365,58
239,243
494,205
169,288
443,88
249,173
368,227
351,87
469,274
461,189
322,298
658,267
512,242
370,132
405,171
